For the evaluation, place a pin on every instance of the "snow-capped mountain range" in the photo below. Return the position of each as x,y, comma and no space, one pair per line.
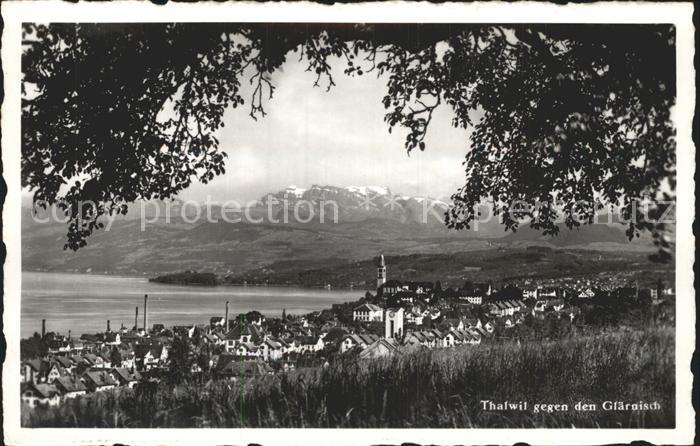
357,203
370,220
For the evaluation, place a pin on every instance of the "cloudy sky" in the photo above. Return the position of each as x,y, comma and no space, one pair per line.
311,136
338,138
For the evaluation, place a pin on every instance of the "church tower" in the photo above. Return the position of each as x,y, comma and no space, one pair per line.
381,272
393,323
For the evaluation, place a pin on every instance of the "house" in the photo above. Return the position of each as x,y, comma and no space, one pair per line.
77,360
414,317
70,386
546,293
586,293
93,361
288,338
368,313
497,309
257,320
416,314
434,337
530,293
59,346
361,341
548,305
231,342
186,331
221,337
130,337
414,338
106,360
242,333
434,313
392,287
404,298
112,338
427,338
479,332
30,371
77,346
90,341
506,307
540,306
448,323
217,321
125,377
40,394
212,339
128,359
271,350
471,322
461,336
246,349
389,288
310,343
150,355
485,289
472,298
66,362
447,339
98,381
286,345
380,348
474,293
43,370
50,371
471,336
420,287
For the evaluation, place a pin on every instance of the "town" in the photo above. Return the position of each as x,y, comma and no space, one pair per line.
398,317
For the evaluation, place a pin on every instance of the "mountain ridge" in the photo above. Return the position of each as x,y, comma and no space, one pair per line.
370,219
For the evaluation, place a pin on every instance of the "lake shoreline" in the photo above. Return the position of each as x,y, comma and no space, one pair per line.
194,285
84,302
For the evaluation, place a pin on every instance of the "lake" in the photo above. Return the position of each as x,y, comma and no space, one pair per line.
84,302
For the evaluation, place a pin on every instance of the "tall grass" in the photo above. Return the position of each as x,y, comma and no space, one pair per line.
438,388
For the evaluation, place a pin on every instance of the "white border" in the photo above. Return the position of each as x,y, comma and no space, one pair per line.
14,13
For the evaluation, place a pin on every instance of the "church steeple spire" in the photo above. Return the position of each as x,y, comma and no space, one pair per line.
381,271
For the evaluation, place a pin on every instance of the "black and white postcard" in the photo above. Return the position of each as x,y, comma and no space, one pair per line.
352,224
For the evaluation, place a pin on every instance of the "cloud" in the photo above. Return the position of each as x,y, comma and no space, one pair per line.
311,136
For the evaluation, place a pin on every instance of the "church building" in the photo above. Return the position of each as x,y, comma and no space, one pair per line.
381,272
393,323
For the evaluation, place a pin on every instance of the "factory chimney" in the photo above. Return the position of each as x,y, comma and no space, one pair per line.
108,330
43,328
226,319
145,313
136,319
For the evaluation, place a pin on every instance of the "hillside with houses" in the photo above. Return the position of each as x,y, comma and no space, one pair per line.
400,317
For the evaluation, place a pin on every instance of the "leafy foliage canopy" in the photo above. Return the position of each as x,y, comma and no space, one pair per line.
558,114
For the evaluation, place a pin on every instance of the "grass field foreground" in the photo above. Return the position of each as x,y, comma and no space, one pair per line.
431,388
